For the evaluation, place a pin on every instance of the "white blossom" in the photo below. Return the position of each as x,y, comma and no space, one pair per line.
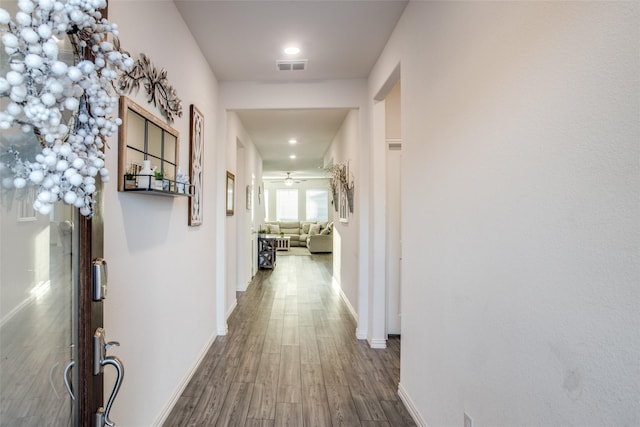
41,87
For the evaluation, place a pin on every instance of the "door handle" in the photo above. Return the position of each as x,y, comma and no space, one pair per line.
67,380
119,367
100,360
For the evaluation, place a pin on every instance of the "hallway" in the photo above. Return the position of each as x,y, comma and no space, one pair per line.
291,358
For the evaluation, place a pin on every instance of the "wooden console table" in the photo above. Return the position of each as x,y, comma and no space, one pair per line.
267,250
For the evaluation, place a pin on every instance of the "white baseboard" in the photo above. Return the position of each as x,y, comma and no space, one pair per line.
411,407
243,288
233,307
379,343
223,331
337,288
361,334
183,384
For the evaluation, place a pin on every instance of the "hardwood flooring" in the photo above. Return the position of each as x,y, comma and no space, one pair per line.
291,358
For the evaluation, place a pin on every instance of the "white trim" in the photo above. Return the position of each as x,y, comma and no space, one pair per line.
360,334
411,407
183,385
222,331
379,343
337,288
233,307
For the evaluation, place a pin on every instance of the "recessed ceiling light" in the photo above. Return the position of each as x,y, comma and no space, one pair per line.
292,50
293,156
293,141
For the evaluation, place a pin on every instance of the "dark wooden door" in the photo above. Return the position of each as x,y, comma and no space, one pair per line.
49,311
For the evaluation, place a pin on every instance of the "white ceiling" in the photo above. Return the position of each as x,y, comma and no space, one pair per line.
242,40
272,129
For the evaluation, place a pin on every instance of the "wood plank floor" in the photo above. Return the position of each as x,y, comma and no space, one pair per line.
291,358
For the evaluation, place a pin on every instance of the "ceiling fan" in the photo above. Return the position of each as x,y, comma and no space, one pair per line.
289,181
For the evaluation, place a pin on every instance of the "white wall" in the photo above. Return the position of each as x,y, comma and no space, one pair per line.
247,166
393,112
520,211
161,302
344,148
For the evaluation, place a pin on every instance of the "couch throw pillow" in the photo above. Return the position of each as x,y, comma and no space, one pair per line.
274,229
326,231
305,227
314,229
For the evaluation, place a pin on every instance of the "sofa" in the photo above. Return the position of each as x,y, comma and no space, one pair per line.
315,236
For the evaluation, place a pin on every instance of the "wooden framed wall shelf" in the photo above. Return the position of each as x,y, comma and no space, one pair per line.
145,140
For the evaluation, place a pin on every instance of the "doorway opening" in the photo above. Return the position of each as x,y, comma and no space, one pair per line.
278,151
393,142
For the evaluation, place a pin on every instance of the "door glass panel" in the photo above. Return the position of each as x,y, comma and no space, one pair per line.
38,294
38,288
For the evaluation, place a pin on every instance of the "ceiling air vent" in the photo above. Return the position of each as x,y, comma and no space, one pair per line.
295,65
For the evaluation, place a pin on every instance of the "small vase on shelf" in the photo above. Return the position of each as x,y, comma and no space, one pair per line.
144,178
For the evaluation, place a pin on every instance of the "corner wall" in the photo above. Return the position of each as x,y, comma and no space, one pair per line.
344,148
161,302
520,210
240,228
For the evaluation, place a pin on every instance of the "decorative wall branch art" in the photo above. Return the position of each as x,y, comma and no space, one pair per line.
343,210
159,92
348,186
342,185
69,105
334,183
196,147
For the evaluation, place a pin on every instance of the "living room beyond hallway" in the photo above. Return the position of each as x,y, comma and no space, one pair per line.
291,357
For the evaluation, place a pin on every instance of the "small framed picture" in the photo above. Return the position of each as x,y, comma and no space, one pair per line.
231,182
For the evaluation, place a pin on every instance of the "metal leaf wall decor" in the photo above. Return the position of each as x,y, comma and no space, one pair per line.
159,91
341,181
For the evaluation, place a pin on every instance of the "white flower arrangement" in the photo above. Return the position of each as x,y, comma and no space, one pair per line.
41,88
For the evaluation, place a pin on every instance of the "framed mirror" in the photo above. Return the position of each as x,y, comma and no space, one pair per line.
145,140
230,190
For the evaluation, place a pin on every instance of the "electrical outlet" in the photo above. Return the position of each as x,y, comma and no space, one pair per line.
468,421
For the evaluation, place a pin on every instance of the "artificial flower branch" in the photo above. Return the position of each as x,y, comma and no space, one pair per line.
43,90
